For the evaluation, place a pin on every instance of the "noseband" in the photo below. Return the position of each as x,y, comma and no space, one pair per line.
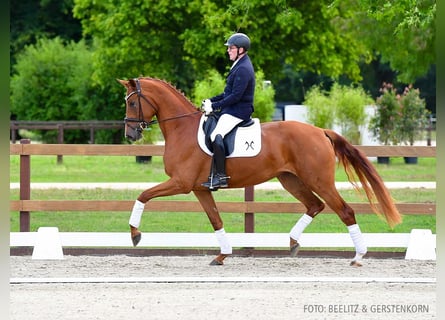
141,123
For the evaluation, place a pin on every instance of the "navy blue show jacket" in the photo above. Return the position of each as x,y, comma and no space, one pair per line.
237,98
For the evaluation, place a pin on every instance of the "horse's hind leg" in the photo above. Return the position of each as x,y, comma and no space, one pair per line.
313,204
207,202
347,215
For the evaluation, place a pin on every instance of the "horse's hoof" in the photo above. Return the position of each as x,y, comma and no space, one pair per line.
219,260
136,239
358,260
216,263
136,235
294,247
356,264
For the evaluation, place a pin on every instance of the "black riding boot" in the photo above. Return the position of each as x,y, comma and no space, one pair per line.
218,177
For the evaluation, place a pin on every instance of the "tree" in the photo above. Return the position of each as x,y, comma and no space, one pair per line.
180,41
32,20
402,32
134,38
171,38
306,35
51,82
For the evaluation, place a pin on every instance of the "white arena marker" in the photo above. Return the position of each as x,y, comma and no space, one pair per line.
421,245
48,245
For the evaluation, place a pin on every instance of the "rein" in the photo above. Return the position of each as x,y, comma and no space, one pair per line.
142,124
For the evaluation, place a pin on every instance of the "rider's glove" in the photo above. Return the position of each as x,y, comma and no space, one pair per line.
207,106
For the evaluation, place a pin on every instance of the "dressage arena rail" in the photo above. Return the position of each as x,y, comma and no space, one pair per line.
25,205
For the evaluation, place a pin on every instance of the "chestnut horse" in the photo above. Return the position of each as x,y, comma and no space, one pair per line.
303,158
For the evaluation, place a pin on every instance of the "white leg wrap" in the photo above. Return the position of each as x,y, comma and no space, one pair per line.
226,248
357,239
136,214
299,227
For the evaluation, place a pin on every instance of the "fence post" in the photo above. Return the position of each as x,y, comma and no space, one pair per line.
13,131
60,141
249,222
25,186
92,135
428,131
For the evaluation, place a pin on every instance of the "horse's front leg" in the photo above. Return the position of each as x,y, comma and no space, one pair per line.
167,188
207,201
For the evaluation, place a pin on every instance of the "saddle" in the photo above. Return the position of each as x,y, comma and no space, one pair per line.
243,141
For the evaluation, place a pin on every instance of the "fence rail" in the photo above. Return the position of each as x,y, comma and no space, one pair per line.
25,205
192,206
61,126
158,150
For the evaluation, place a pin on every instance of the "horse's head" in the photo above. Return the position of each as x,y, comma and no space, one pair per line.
139,110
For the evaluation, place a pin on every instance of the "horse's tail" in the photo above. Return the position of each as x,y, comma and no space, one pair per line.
350,157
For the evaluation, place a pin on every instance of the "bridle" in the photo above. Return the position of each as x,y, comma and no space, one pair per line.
141,123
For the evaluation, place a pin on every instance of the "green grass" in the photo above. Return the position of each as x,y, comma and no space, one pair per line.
125,169
198,222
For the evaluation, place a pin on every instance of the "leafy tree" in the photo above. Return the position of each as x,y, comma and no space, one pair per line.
51,82
180,41
162,38
32,20
307,35
402,32
134,38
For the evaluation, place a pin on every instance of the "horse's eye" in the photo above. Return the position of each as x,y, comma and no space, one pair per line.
133,104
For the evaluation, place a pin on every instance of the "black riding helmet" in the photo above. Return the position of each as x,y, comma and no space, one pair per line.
239,40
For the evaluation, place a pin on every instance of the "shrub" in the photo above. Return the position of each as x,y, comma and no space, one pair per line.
383,123
342,105
399,118
413,116
321,110
51,82
350,113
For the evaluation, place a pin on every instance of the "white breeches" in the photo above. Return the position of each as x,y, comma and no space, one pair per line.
225,124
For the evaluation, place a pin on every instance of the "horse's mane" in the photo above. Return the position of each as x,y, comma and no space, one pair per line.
172,87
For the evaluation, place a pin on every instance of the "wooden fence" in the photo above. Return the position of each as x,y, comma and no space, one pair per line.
25,205
419,244
61,126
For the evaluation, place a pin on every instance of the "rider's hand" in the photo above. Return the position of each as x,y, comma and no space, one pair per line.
207,106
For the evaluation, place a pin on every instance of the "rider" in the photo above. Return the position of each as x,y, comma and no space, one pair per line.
234,105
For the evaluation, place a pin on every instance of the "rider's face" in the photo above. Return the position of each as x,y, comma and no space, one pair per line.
233,52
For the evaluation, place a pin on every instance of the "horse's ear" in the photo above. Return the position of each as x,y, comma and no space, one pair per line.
132,83
123,82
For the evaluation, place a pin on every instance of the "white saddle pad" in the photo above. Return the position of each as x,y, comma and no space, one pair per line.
247,140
